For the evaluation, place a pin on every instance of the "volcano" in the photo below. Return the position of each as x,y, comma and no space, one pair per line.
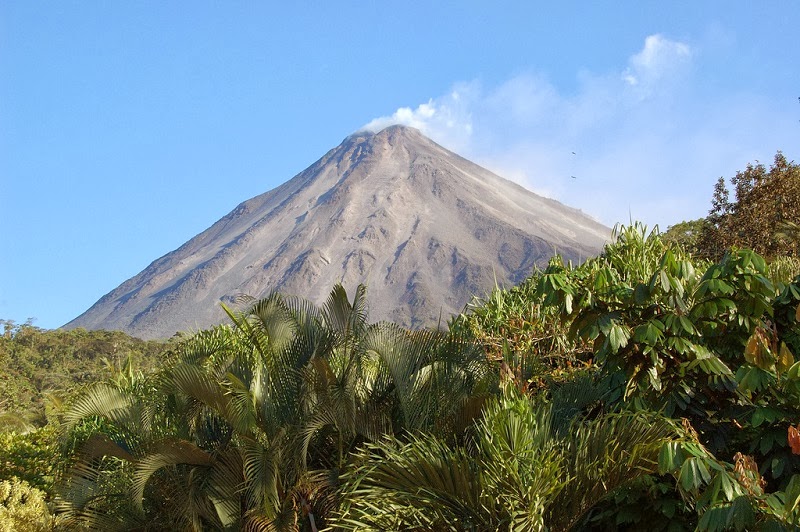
422,227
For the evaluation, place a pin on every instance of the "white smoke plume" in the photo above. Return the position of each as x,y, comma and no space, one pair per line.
644,142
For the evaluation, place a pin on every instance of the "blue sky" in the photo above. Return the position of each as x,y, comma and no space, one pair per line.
128,127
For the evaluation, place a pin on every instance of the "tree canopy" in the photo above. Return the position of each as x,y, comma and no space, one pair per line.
763,215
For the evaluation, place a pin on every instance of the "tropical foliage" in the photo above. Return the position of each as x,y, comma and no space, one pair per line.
522,335
250,426
34,457
527,465
655,386
708,343
40,367
643,384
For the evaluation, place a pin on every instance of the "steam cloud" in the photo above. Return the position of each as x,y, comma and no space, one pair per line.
644,142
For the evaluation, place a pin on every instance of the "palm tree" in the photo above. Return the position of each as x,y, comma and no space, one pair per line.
250,426
520,471
138,443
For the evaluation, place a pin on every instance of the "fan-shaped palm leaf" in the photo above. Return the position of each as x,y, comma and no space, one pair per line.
521,474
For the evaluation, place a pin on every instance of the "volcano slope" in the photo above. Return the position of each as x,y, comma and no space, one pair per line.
422,227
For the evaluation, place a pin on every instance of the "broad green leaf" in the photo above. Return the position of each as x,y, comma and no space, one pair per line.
602,279
706,476
707,309
709,363
686,269
752,378
688,477
726,484
686,324
767,441
677,287
741,513
670,457
618,337
757,417
678,344
655,381
664,281
714,519
649,333
758,261
777,466
792,495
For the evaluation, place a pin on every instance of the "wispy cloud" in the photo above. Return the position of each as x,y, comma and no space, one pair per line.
644,142
659,59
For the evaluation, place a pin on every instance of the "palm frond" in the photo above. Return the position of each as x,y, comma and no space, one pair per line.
423,484
605,454
344,318
226,488
100,445
93,498
105,401
163,454
262,465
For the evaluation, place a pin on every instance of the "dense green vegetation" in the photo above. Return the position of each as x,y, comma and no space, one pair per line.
41,367
641,386
40,370
657,385
707,344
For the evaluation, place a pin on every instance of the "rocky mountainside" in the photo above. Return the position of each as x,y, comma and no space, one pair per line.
423,228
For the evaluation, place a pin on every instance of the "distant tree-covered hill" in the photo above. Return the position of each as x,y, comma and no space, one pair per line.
40,365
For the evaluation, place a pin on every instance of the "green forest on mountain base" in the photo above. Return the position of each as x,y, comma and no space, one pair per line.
657,385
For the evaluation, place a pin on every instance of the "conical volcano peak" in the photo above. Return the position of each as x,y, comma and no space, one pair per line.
392,135
422,227
399,131
390,152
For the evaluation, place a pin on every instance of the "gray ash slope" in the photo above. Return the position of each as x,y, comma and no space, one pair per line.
423,228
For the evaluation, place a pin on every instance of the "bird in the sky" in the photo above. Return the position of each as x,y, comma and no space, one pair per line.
572,176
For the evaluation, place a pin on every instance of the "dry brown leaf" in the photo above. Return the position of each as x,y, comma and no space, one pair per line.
794,439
